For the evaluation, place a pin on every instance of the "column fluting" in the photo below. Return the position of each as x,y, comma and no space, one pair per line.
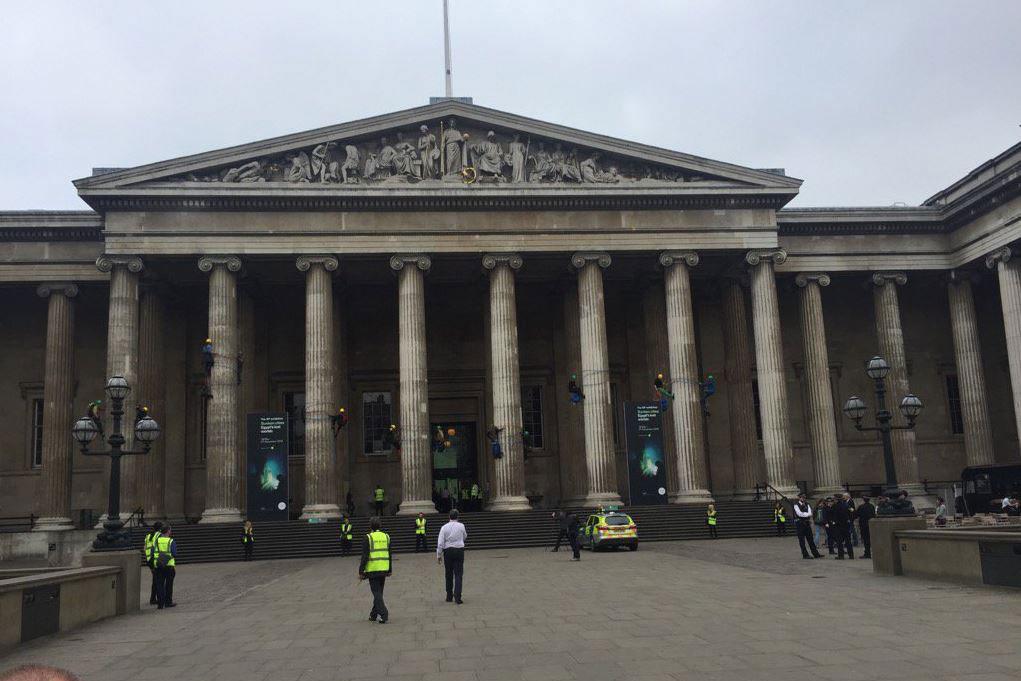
571,417
152,394
1008,271
416,455
978,434
822,429
773,404
320,402
749,465
58,393
657,360
689,436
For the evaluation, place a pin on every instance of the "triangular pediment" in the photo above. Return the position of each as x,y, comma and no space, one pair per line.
447,145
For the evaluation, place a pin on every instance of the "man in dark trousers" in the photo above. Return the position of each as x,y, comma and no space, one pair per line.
572,535
803,524
841,518
150,557
560,518
865,512
450,552
376,566
165,555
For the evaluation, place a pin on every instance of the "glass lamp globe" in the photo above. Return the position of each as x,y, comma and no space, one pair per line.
147,430
877,368
84,430
854,407
117,388
911,406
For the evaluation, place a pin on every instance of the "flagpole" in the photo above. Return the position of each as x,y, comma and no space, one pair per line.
446,50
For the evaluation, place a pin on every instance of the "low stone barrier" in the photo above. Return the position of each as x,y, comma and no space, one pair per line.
979,555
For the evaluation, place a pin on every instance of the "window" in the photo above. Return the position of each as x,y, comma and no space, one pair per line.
531,413
954,405
294,405
377,415
37,432
755,404
615,410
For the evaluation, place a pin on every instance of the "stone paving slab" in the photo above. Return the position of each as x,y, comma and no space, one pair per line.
728,610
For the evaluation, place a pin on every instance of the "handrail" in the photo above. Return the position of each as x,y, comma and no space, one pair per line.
138,515
764,488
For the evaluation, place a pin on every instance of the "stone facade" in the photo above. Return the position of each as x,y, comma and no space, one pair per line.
437,282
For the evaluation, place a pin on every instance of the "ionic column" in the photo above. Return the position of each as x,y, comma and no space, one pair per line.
416,455
122,360
773,406
595,379
58,393
822,429
692,486
570,417
891,348
320,402
152,393
222,442
749,466
1008,270
509,473
971,380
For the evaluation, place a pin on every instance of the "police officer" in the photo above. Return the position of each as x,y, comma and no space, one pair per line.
345,535
420,533
803,524
165,555
150,542
865,513
375,566
379,496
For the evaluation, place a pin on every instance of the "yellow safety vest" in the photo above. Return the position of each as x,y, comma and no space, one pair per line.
163,546
379,494
345,531
248,537
711,517
150,541
475,491
779,516
379,552
419,525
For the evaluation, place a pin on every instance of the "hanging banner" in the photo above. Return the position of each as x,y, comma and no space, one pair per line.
645,464
266,469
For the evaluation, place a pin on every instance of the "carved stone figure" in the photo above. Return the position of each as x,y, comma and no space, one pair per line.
406,161
590,171
452,142
249,172
543,168
566,165
349,171
487,157
516,155
301,168
323,167
428,152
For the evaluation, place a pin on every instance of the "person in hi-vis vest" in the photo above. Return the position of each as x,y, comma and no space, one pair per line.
420,523
345,535
375,566
710,520
150,557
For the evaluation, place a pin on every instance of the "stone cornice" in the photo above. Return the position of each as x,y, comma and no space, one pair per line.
579,260
491,260
882,278
231,262
68,289
421,261
777,256
820,278
670,258
106,263
304,263
50,225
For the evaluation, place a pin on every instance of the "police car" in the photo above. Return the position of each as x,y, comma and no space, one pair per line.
609,529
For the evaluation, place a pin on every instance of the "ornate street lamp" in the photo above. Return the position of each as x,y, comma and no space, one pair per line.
877,369
85,430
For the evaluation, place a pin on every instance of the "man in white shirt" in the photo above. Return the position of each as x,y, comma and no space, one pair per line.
803,522
450,552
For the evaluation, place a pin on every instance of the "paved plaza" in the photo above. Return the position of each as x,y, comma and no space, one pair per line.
731,609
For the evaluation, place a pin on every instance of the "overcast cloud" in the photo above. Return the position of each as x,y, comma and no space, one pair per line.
871,103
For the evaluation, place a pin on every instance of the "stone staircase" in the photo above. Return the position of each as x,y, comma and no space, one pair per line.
298,539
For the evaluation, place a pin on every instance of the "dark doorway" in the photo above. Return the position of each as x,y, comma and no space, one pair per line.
455,465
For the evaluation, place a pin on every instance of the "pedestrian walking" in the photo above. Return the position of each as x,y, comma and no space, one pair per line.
450,552
379,497
841,519
780,519
345,535
865,512
571,530
150,557
248,539
711,520
166,568
803,525
560,518
376,566
420,533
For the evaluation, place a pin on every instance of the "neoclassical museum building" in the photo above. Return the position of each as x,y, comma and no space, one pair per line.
450,268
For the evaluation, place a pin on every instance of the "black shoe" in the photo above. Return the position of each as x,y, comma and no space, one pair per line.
554,550
372,618
458,601
450,598
171,605
159,607
806,557
153,603
867,556
818,555
382,620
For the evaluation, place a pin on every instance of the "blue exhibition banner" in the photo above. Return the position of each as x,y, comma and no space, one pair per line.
266,469
645,458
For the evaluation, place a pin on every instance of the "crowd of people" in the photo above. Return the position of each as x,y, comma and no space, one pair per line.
837,520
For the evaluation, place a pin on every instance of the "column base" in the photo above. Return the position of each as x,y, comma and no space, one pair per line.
220,515
509,503
572,502
416,507
692,496
823,492
53,524
601,499
746,494
320,511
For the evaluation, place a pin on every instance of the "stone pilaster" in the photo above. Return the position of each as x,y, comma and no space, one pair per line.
749,466
508,490
320,402
222,443
595,379
891,348
971,380
689,436
570,417
122,360
773,405
822,428
152,394
416,455
58,393
1008,270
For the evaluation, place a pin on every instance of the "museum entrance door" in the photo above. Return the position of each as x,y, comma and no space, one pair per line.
455,466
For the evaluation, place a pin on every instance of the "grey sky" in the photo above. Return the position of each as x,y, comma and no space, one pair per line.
870,103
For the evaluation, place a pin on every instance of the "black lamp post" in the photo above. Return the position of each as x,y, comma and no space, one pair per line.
877,369
85,429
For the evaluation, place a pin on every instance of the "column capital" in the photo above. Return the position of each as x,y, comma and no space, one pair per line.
999,255
491,260
421,261
777,256
959,276
820,278
881,278
304,263
67,289
671,258
231,262
106,263
580,259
